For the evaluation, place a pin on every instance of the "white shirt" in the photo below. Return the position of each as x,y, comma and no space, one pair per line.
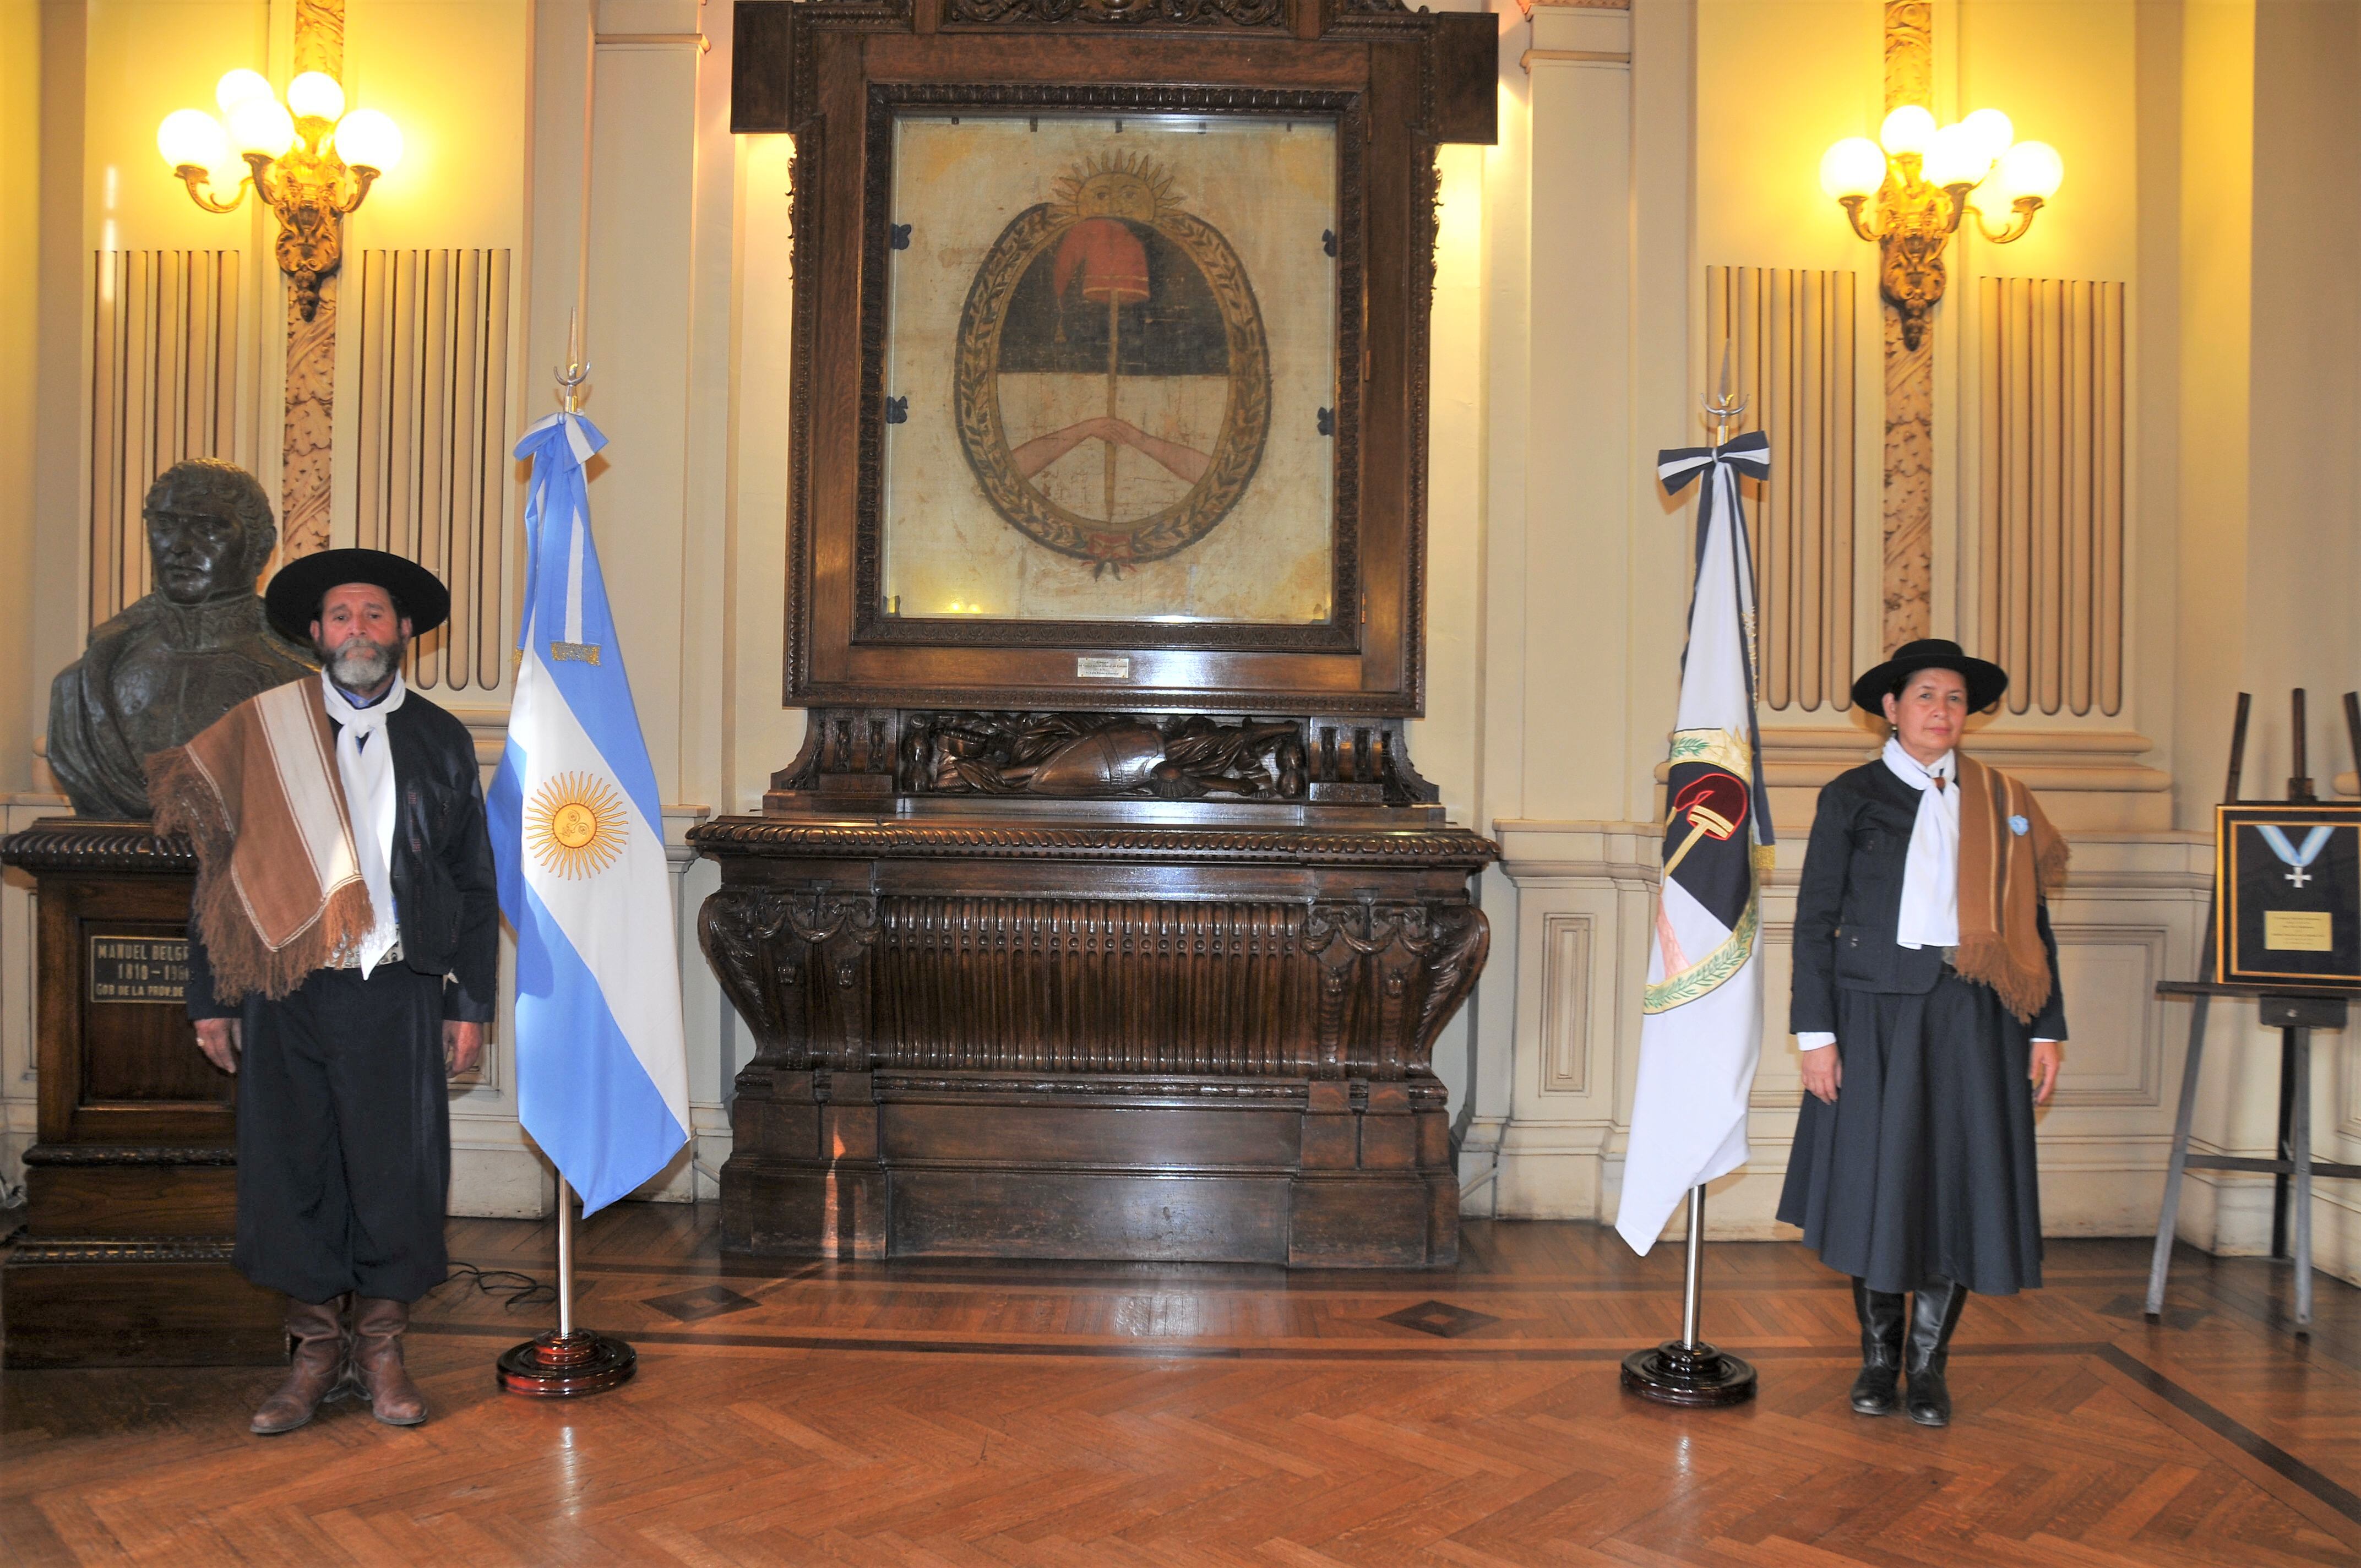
1930,874
364,762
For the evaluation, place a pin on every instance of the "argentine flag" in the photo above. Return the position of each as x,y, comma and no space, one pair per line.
602,1075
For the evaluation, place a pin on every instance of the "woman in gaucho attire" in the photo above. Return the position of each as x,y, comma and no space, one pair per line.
1926,1005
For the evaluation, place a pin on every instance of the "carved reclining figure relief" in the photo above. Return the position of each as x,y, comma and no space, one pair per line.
1083,756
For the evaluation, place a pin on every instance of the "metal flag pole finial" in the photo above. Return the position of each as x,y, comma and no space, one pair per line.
576,372
570,1361
1723,408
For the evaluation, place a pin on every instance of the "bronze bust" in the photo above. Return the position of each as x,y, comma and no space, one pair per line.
181,657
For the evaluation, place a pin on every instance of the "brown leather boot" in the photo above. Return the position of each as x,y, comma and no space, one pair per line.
318,1367
377,1324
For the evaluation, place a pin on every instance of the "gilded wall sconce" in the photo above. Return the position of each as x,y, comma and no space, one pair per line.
309,159
1923,178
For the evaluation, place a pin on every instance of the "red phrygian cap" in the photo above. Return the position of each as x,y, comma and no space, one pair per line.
1113,262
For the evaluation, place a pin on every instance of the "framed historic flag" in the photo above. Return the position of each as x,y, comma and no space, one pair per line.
1110,346
2288,893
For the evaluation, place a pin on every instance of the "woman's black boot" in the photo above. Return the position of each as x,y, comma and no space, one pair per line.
1933,1315
1883,1318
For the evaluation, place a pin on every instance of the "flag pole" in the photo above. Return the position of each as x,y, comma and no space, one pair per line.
572,1361
1688,1371
569,1360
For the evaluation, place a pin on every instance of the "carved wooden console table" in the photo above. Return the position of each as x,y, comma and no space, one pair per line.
1093,1028
1104,915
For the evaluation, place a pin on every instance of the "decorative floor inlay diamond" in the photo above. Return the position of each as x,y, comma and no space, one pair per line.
1440,1319
705,1301
2136,1309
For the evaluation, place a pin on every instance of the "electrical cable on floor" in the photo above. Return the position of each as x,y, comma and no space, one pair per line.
517,1289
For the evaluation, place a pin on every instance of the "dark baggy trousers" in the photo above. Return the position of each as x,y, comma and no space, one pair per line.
343,1137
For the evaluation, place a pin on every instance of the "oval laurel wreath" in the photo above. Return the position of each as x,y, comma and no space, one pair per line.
975,399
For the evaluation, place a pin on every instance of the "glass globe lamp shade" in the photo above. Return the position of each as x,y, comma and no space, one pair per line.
315,95
228,176
1991,131
2030,168
192,137
368,139
235,87
1908,129
1956,157
263,126
1853,167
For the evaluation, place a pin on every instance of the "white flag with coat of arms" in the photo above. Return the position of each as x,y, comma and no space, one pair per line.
1701,1027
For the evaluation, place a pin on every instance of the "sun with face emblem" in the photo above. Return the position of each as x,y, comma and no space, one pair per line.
576,826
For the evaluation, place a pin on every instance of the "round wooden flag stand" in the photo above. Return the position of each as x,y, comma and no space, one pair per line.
570,1361
1687,1371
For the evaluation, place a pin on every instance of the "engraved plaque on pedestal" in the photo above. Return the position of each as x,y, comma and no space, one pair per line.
132,1187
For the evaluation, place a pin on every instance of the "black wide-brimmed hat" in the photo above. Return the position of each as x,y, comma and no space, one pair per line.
292,599
1986,681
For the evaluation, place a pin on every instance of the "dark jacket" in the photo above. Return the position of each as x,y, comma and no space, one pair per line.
445,893
1848,908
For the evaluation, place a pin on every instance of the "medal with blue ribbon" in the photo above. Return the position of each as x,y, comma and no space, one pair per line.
2297,859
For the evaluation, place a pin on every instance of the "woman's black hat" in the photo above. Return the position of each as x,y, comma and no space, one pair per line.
1986,681
292,599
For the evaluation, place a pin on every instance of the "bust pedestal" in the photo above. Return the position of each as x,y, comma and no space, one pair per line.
131,1190
1090,1029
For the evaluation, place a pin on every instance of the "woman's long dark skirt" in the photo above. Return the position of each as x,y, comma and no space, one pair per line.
1923,1169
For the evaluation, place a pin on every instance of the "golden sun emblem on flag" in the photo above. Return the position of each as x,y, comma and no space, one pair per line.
575,825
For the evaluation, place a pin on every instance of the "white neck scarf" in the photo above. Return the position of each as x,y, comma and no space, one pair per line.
364,762
1931,876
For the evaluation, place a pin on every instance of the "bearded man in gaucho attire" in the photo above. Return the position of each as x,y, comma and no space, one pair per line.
342,961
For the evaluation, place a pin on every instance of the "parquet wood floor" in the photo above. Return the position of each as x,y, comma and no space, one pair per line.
965,1415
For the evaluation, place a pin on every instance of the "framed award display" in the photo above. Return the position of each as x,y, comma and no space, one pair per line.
2288,893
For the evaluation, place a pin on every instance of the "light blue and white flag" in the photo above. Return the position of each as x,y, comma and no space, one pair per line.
602,1075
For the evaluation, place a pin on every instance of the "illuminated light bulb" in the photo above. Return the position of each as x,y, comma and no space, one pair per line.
237,86
2030,168
1956,157
263,126
192,137
1908,129
1992,131
1853,167
226,176
368,139
315,95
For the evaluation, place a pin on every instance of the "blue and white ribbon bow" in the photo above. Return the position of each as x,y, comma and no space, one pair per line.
2315,841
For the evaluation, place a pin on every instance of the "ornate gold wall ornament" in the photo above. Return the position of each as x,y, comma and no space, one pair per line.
1923,177
307,159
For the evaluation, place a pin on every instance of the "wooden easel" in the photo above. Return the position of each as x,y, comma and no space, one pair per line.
2296,1011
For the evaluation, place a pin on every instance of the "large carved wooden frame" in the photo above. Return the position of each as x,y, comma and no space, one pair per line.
1396,84
1337,633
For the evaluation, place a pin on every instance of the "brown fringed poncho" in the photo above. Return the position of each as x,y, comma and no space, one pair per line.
279,884
2004,877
